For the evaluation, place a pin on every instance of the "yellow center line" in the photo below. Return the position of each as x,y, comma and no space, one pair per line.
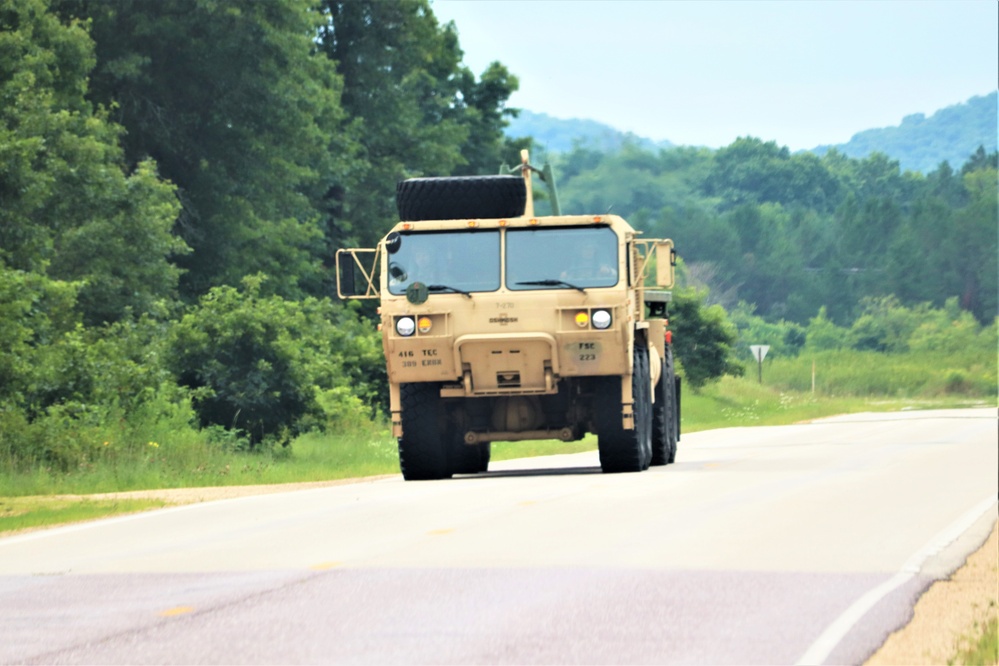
177,610
324,566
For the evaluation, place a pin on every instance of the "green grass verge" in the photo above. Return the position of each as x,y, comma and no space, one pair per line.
19,513
369,450
981,648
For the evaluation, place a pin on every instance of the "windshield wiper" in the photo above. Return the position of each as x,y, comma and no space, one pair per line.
553,283
444,287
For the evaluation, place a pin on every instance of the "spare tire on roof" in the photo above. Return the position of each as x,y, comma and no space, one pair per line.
460,197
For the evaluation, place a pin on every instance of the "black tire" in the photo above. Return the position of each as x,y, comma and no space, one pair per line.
485,453
674,405
422,454
460,197
625,450
664,415
470,458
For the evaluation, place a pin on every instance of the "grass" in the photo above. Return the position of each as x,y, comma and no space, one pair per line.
367,449
19,513
981,648
867,373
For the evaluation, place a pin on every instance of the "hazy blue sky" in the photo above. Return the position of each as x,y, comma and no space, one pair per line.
803,73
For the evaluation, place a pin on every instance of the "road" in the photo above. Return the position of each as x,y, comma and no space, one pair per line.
766,545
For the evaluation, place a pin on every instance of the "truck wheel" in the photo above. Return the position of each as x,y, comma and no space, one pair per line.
460,197
625,450
485,453
674,406
421,448
468,458
664,416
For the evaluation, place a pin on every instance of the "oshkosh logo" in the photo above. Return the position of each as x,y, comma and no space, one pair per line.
502,320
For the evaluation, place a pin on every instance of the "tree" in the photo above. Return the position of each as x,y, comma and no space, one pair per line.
980,160
241,114
751,171
417,111
269,367
399,69
977,246
703,337
71,208
485,115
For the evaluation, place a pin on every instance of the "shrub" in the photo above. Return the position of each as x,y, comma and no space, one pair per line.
784,338
269,367
822,334
704,339
885,325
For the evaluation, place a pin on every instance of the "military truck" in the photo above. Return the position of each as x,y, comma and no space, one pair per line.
499,325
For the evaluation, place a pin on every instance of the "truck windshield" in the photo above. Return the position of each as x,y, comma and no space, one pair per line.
462,261
561,258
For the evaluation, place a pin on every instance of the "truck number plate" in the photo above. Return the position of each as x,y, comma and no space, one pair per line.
584,352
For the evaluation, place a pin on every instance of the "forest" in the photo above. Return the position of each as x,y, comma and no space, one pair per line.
175,177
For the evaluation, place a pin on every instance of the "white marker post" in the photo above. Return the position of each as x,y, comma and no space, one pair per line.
759,353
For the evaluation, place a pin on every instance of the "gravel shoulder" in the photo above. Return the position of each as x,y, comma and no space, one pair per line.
948,612
178,496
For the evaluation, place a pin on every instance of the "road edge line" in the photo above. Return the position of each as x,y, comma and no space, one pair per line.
827,641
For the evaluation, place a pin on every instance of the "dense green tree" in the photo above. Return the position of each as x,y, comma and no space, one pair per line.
240,114
752,171
399,69
822,333
71,207
268,366
416,109
35,312
485,115
703,338
976,227
979,160
787,232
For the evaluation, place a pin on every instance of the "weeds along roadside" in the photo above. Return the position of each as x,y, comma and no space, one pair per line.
171,453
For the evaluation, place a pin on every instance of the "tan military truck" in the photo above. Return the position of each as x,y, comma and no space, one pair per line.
502,326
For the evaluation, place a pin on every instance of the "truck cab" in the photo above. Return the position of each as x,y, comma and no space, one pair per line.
500,325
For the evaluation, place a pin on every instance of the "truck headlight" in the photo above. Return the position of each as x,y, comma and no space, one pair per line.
405,326
601,319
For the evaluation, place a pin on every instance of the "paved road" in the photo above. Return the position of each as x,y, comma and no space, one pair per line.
769,545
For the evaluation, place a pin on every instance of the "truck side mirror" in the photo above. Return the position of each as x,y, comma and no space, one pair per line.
665,263
393,242
356,275
345,278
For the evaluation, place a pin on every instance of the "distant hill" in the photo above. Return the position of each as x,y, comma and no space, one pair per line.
921,143
557,135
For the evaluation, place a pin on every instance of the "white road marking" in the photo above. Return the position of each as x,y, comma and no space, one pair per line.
823,646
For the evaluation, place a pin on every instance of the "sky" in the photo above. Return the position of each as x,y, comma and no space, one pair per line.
803,73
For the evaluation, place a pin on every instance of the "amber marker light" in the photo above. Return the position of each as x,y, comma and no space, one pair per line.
533,222
473,223
582,319
502,223
424,324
